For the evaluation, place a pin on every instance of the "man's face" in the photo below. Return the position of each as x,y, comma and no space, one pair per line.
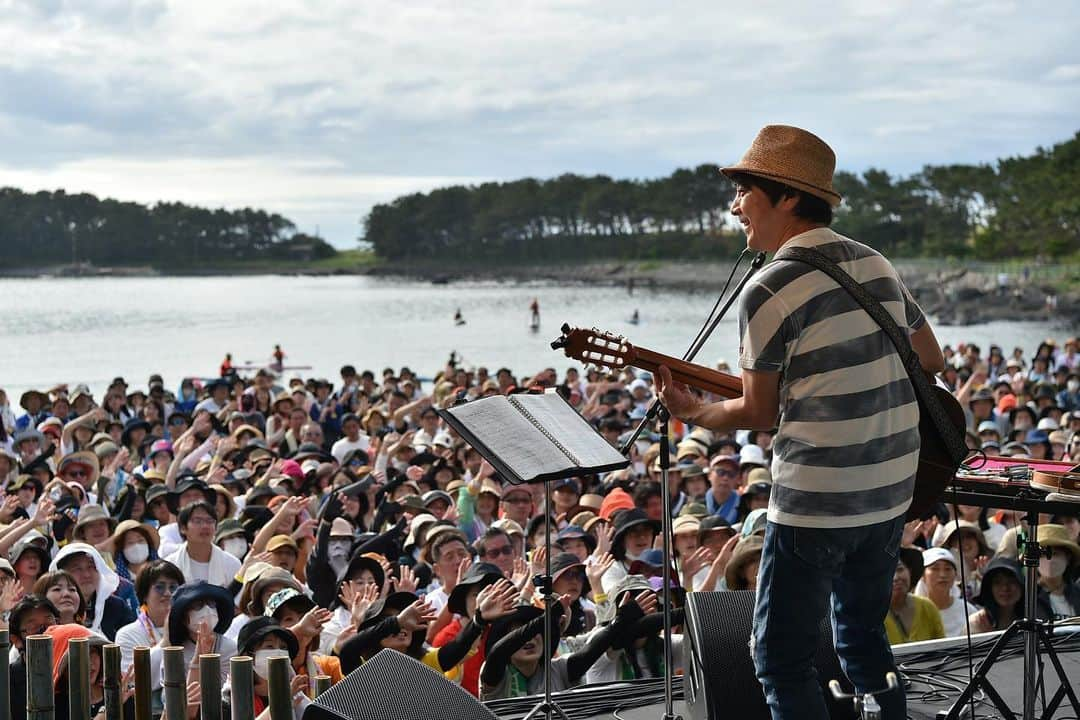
296,419
311,433
722,477
500,551
200,527
77,473
430,423
517,506
85,572
351,430
762,221
450,556
96,532
34,622
284,558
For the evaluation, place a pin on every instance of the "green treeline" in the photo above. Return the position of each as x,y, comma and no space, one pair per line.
1026,206
55,228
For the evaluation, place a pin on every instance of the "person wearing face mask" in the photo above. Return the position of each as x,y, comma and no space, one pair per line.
155,585
231,538
634,534
133,545
200,613
262,639
333,547
307,622
1059,591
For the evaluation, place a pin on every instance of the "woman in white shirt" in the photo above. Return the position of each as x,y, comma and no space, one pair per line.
155,586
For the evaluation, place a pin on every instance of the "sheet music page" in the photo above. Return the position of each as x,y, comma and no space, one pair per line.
579,437
511,436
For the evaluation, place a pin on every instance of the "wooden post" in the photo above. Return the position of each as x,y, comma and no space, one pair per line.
322,684
242,681
78,672
174,682
210,686
143,707
5,678
39,688
110,667
280,693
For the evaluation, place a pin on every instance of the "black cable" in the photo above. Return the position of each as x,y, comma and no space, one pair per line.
716,305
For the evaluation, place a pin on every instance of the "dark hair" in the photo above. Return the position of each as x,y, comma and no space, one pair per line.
26,604
442,539
151,573
645,491
809,207
490,534
46,581
188,510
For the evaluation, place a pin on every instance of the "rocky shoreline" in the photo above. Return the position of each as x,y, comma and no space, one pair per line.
954,296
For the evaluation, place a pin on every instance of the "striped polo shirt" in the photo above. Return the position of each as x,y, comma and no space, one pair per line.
847,446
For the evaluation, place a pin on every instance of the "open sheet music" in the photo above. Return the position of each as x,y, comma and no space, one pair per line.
532,438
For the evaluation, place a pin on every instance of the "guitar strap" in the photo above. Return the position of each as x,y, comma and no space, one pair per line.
953,441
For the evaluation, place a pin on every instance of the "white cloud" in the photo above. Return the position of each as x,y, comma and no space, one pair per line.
312,107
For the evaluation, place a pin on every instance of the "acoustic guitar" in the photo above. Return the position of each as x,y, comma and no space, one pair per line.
604,349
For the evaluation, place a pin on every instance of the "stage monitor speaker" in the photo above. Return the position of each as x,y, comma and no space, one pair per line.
393,686
719,681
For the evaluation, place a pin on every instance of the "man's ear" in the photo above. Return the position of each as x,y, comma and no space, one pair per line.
789,201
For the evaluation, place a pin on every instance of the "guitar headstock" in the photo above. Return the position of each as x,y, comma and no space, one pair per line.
595,347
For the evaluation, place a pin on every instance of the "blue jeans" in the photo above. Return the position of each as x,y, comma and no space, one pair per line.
801,570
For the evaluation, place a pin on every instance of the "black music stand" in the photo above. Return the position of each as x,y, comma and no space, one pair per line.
1036,632
474,433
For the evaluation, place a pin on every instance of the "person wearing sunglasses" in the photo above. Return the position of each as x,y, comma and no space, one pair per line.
155,585
496,547
721,499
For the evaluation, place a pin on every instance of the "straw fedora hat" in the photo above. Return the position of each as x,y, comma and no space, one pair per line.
792,156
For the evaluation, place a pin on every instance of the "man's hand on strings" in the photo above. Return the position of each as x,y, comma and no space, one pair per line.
676,397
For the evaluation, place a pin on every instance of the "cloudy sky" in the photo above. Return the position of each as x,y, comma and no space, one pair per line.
319,109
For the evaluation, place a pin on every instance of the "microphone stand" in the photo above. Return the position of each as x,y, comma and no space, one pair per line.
658,413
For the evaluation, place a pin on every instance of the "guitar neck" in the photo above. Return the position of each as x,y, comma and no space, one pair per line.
698,376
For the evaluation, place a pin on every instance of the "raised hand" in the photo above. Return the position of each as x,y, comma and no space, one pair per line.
696,561
205,639
11,591
497,600
646,600
312,623
603,539
463,568
44,511
538,562
406,579
595,570
359,601
724,556
521,574
416,616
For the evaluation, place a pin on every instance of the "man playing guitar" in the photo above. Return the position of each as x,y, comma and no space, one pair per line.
819,368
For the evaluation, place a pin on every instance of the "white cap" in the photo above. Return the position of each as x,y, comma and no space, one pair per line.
638,384
1047,423
932,555
752,455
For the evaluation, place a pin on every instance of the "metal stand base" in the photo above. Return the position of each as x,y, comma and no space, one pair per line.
1042,633
547,708
1035,633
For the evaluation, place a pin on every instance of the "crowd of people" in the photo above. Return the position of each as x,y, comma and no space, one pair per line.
325,521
